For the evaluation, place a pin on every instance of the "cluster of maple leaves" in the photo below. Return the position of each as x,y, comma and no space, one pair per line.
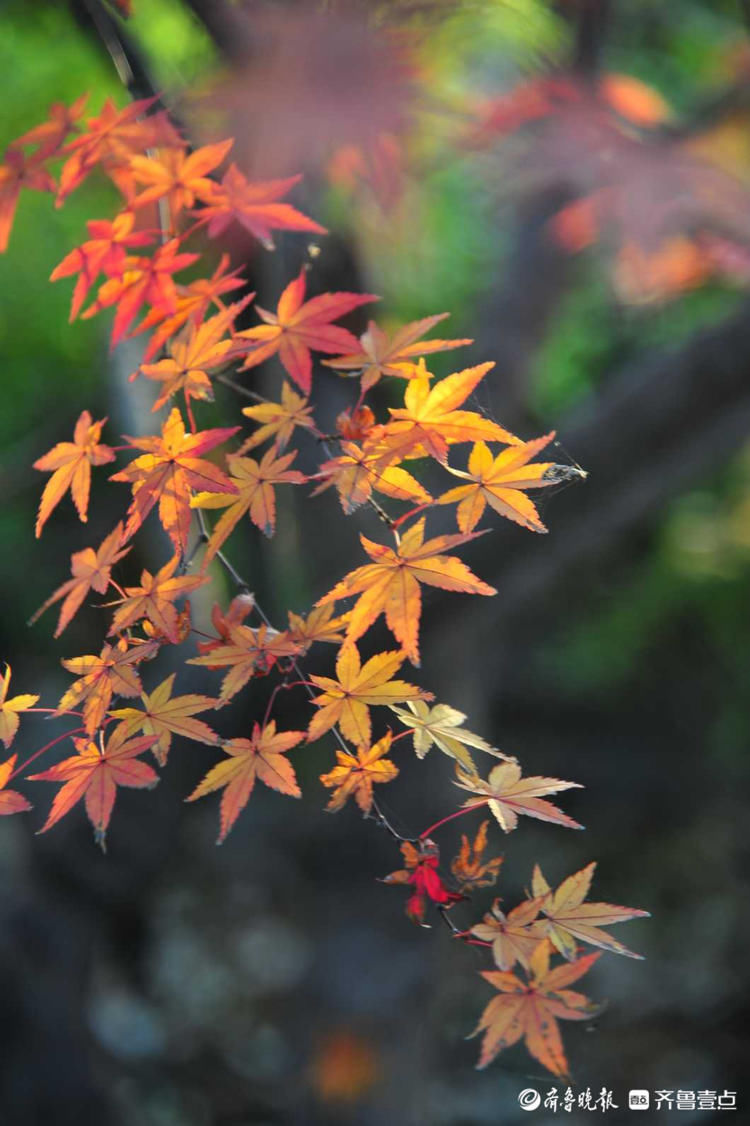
174,197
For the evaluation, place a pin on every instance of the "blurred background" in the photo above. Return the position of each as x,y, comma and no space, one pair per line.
572,181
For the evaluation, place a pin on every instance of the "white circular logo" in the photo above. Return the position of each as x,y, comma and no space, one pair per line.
529,1099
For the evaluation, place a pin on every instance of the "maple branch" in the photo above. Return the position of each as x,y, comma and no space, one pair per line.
381,820
458,813
42,750
124,54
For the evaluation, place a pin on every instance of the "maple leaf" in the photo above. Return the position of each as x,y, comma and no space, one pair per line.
94,774
51,133
568,918
441,725
356,472
468,867
104,252
355,423
238,610
254,483
515,936
254,206
9,709
299,326
198,350
354,775
168,470
177,175
499,482
110,140
347,701
70,465
531,1009
100,677
508,795
383,355
263,757
91,570
278,420
318,625
429,421
142,281
164,715
390,584
248,652
154,599
192,304
422,859
10,800
18,171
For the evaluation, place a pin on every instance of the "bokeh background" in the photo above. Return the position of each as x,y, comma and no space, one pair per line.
572,181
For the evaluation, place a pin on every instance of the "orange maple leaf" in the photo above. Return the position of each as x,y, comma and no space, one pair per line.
164,715
239,608
104,252
318,625
18,171
10,800
347,701
91,570
248,652
50,134
9,709
70,465
356,472
198,350
254,206
278,420
356,774
469,868
508,795
141,281
531,1009
177,175
168,471
568,918
94,774
262,757
100,677
193,302
429,421
254,484
299,326
383,355
499,482
390,584
514,936
154,599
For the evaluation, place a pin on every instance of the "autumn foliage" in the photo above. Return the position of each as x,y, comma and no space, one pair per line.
201,483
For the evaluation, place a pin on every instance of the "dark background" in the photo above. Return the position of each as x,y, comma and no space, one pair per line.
169,983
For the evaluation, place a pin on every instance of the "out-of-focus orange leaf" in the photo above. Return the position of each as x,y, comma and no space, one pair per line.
347,701
263,757
634,100
345,1068
390,585
104,252
354,775
94,774
70,465
18,171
